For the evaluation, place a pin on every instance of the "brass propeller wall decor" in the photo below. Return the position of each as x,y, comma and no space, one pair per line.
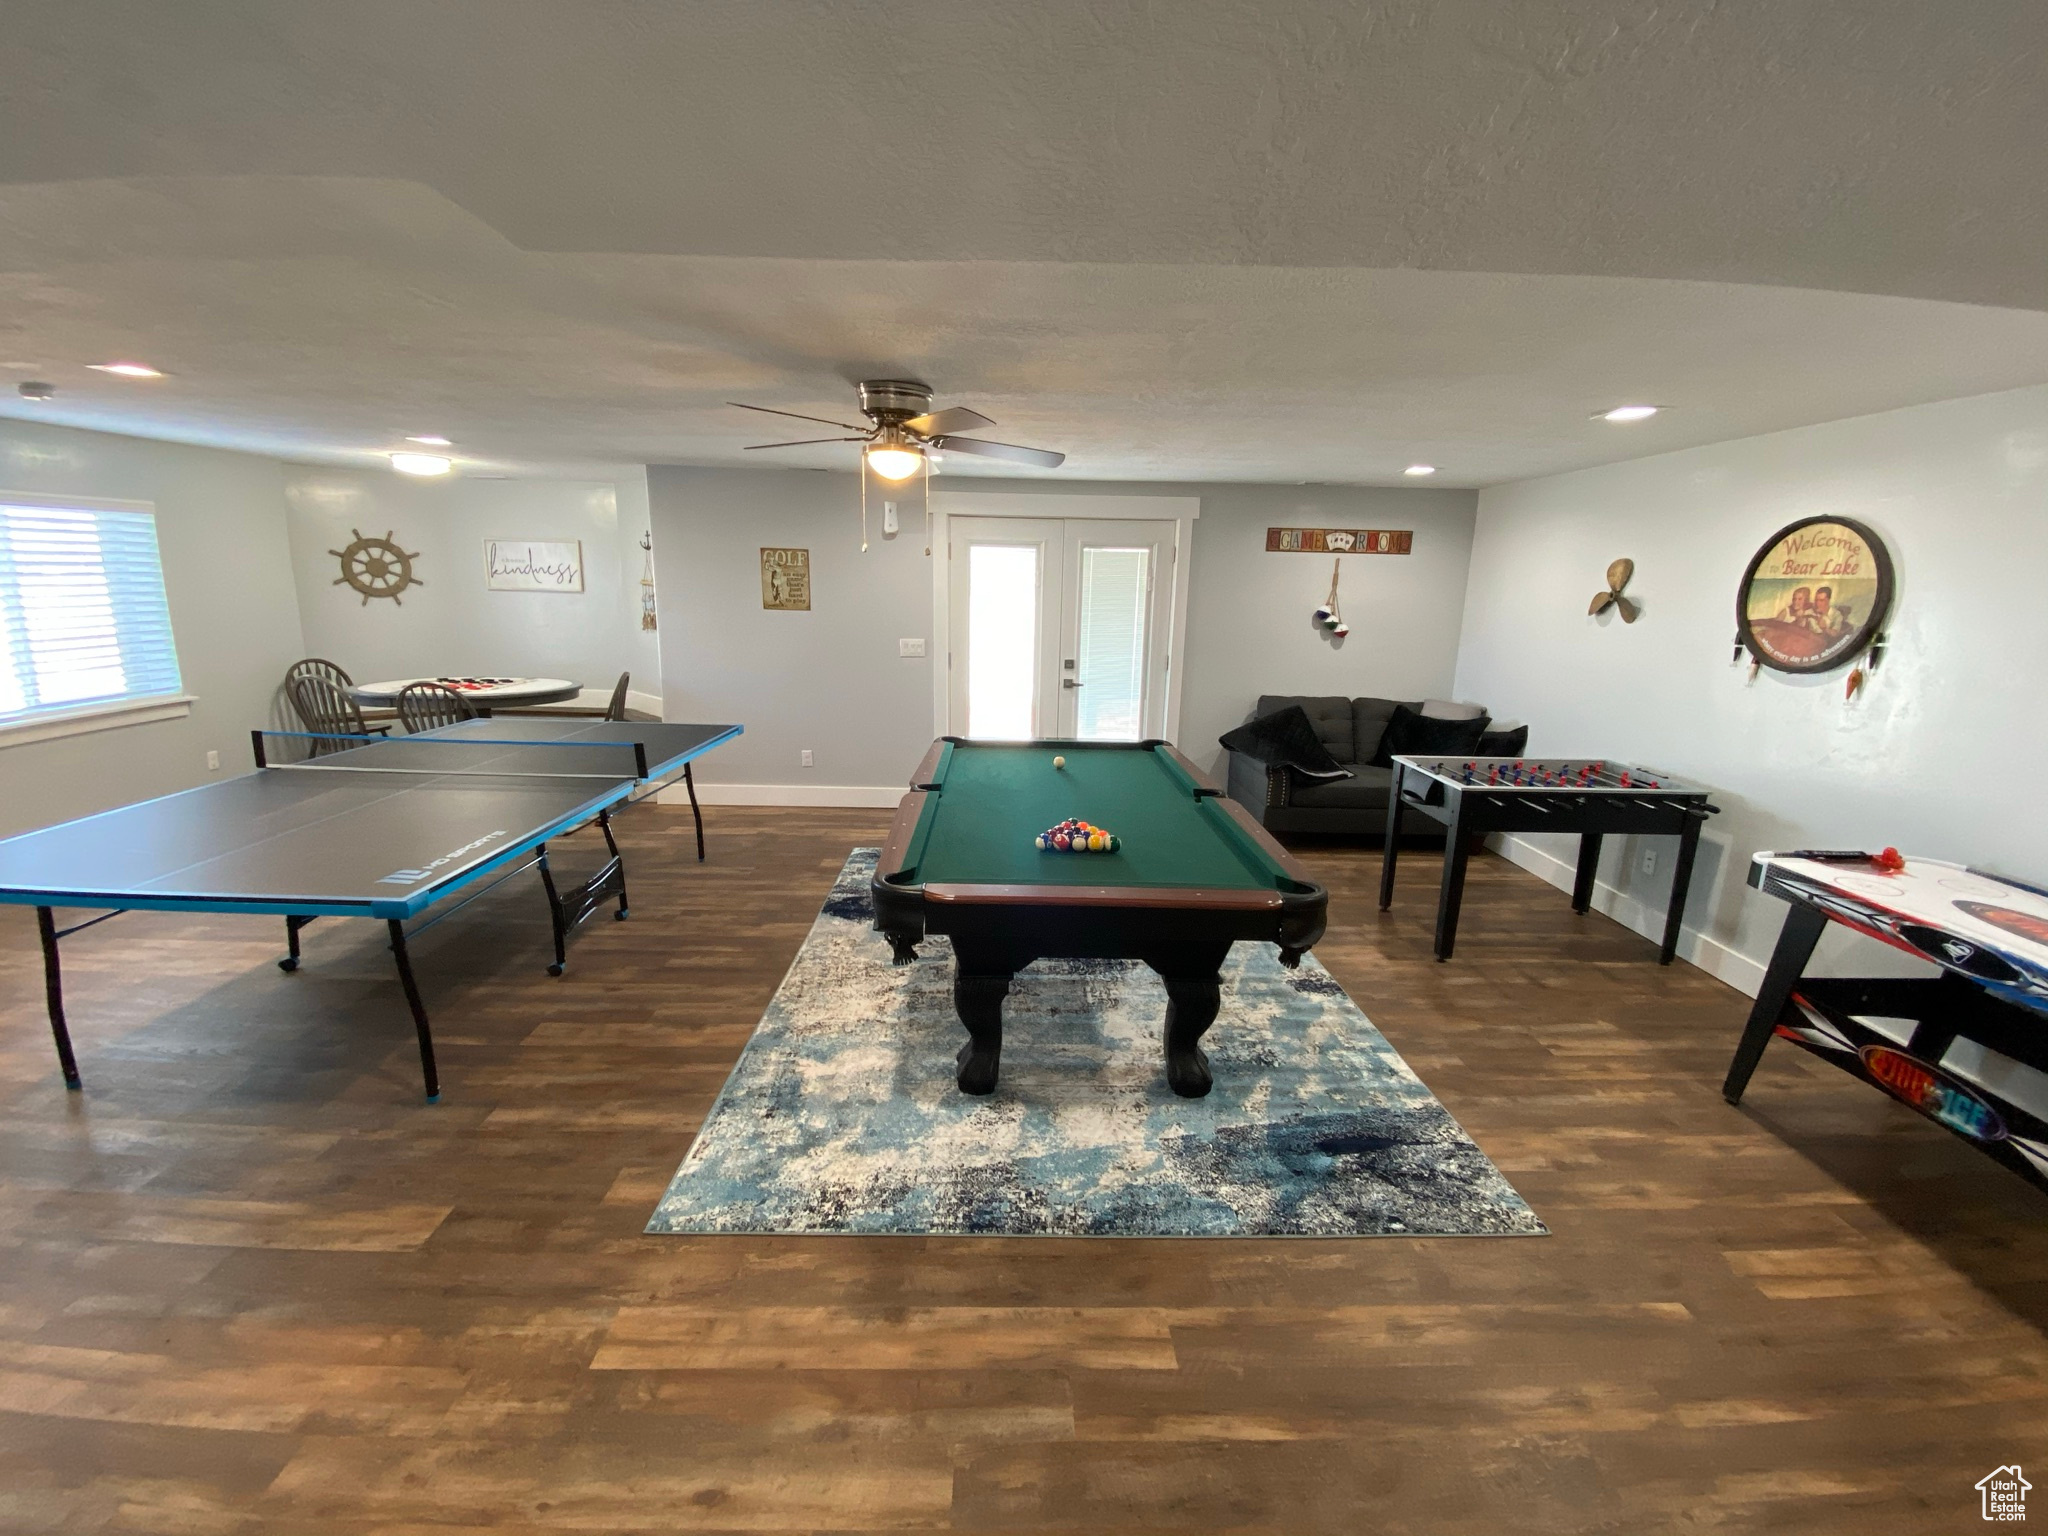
1617,578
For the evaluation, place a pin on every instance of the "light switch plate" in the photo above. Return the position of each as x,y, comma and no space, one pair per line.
910,647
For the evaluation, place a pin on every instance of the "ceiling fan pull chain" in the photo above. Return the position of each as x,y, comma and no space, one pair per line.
927,506
863,506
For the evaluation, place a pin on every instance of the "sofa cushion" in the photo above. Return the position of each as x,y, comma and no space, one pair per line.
1369,719
1329,714
1418,735
1366,790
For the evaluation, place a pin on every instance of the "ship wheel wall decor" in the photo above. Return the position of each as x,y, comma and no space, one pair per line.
376,567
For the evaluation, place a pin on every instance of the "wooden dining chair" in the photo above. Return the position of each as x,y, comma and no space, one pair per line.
328,711
429,706
315,666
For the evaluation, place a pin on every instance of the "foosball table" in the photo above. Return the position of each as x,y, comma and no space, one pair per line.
1589,797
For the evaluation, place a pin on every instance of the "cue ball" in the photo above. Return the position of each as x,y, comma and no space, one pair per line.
1059,762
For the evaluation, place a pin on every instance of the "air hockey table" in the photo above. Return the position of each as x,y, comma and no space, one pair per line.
1945,1045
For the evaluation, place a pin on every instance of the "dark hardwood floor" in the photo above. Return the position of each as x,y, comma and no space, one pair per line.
249,1282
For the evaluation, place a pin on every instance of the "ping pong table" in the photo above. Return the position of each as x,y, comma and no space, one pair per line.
361,828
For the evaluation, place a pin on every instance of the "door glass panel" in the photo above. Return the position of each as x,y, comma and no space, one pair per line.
1002,640
1112,644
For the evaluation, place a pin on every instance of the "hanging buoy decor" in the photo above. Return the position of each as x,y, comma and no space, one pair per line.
1328,615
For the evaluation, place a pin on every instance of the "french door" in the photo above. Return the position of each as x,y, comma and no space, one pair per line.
1059,627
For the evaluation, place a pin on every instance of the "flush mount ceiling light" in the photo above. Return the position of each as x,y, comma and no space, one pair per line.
432,441
127,370
894,455
420,464
1626,413
1419,469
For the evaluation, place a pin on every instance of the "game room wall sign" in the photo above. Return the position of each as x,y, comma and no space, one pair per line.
786,579
1814,598
1339,541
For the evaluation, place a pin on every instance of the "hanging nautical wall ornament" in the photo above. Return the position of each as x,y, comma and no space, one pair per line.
376,567
647,581
1329,615
1617,577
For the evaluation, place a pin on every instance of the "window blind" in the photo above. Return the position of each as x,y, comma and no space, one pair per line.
1113,590
83,619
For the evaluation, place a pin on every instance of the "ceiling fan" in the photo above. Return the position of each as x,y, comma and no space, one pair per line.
904,431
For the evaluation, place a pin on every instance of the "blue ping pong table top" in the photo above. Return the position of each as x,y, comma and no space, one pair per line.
383,830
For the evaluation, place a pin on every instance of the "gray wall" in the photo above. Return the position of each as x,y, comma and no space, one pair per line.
1937,755
228,574
832,680
450,623
829,679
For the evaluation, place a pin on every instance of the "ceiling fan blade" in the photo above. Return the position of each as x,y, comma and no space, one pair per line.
804,442
954,418
1043,458
770,410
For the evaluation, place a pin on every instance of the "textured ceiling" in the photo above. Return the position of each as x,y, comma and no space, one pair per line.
1270,241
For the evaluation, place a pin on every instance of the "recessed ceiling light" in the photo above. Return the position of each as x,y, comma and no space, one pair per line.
36,389
127,370
432,442
420,464
1419,469
1626,413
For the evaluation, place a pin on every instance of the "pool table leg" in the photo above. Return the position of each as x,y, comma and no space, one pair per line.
1194,993
979,1001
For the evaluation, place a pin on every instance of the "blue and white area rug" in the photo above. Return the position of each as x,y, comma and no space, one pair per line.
842,1115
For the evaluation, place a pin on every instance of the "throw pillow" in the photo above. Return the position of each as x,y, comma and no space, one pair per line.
1419,735
1448,709
1286,738
1509,741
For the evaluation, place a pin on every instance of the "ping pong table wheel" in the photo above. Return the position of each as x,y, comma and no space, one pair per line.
288,964
621,915
556,967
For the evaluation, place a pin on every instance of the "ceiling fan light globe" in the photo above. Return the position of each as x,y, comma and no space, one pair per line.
895,463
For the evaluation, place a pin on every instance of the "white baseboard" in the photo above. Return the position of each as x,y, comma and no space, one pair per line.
644,703
860,796
1717,959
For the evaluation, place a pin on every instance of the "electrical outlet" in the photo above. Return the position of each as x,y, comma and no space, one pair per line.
807,758
910,647
1649,861
213,762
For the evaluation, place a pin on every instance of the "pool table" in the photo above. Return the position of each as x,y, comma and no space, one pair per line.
1195,874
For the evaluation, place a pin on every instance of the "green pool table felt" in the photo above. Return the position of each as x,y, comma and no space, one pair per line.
995,799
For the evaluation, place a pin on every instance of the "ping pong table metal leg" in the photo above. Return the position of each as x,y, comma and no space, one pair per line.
292,925
53,989
419,1009
556,919
696,814
616,869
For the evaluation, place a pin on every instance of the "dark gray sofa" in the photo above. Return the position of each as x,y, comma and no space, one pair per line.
1351,730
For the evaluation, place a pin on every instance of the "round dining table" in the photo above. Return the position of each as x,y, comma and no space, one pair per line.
483,693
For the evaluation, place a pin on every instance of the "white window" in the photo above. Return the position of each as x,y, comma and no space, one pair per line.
83,621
